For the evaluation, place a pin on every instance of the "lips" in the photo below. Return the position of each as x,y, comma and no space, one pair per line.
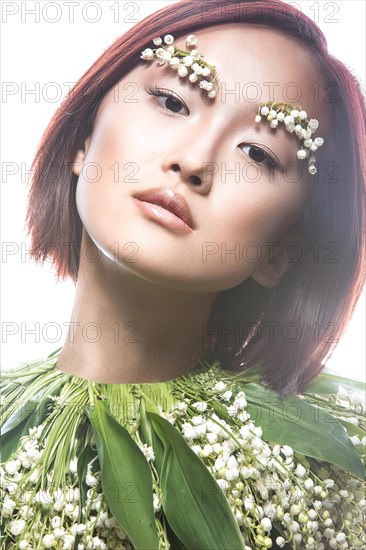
168,199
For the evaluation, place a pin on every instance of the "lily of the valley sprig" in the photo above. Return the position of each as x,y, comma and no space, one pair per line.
295,120
185,63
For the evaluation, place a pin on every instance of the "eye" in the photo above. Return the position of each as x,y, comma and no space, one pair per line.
171,102
260,155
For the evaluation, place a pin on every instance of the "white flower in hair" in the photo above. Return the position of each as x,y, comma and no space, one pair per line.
295,121
191,40
186,63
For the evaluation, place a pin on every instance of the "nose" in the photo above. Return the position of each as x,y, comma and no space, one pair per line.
192,161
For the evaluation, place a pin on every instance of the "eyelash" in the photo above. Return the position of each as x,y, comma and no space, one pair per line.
156,91
163,92
269,159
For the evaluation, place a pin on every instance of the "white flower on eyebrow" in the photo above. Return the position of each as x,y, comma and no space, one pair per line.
186,63
295,120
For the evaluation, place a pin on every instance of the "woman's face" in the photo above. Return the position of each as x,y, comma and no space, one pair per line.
205,150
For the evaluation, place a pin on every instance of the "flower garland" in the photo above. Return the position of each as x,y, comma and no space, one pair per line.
90,465
186,63
295,120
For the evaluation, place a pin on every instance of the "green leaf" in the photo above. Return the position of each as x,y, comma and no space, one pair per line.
326,383
309,430
19,416
193,502
145,425
126,478
84,458
29,415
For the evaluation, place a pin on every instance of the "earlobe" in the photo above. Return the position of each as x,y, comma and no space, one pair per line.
80,157
281,257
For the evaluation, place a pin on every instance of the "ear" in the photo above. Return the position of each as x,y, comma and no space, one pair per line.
80,157
280,258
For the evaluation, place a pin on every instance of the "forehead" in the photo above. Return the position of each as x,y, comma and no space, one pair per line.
257,64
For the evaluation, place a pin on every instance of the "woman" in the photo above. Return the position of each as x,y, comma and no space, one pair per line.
244,208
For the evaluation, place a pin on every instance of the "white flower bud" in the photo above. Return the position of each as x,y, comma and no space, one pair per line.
90,480
195,54
206,85
187,61
257,430
356,398
59,533
264,110
300,471
294,113
301,154
226,396
206,71
174,62
248,502
196,449
198,420
168,39
318,141
191,40
49,541
266,524
287,451
232,474
197,69
147,54
157,41
308,484
211,438
17,526
220,386
188,431
287,518
273,123
207,450
280,541
223,484
312,514
313,124
160,53
280,117
167,56
303,115
258,118
355,440
12,467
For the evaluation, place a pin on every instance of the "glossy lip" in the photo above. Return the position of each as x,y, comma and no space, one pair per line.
164,205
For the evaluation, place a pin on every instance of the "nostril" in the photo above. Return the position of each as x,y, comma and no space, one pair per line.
175,167
196,180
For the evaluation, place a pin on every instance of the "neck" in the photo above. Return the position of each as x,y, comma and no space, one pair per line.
125,329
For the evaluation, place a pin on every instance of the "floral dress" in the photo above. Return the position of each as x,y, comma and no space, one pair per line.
209,460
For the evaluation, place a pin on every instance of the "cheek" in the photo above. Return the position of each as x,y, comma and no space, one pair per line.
258,212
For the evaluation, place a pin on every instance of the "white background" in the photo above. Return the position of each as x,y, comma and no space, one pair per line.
36,52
